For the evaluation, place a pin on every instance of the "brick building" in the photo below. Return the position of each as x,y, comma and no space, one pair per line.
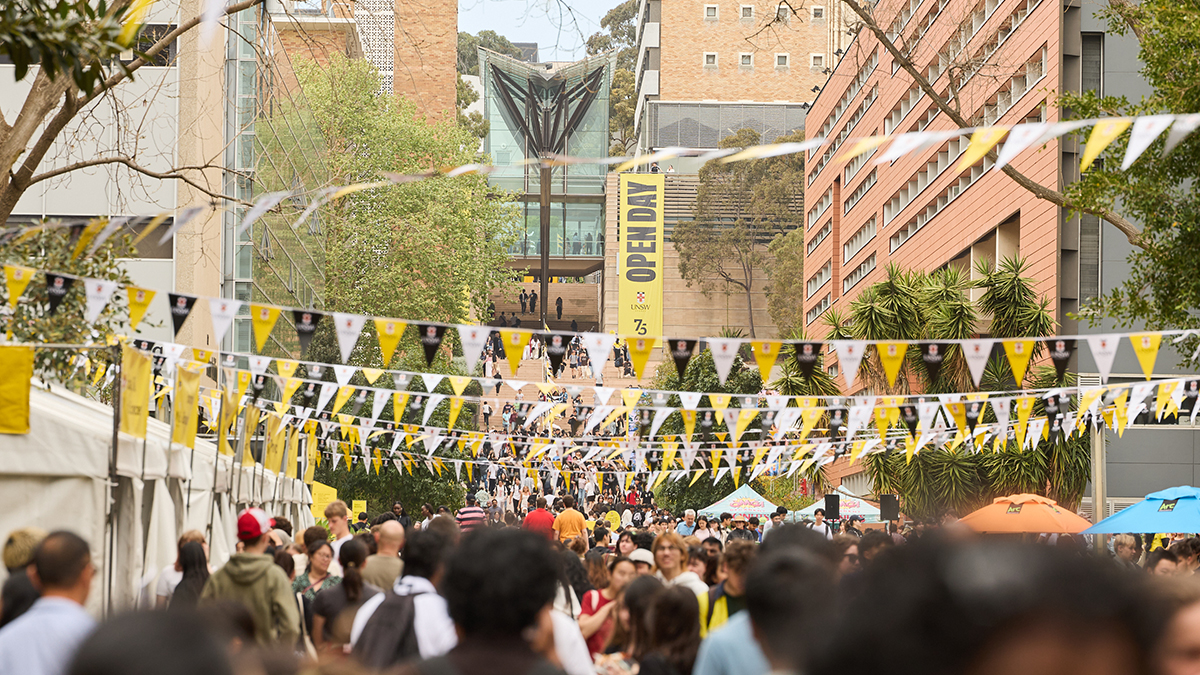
414,44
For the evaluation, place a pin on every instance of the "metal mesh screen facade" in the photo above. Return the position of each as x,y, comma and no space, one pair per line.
703,125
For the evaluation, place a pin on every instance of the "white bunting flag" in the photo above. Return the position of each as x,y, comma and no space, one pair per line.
849,355
599,346
1184,125
1034,435
785,420
348,326
327,391
602,395
1019,137
724,350
261,206
1002,407
926,411
182,219
222,311
1104,351
860,415
431,380
343,374
977,353
258,364
690,399
99,292
1137,399
434,400
380,401
474,339
660,416
1145,130
335,457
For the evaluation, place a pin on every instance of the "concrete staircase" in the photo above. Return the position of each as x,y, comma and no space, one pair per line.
581,302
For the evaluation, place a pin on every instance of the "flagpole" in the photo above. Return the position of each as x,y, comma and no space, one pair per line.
1099,483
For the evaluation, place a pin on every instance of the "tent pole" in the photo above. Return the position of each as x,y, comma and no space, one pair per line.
212,505
110,516
1099,484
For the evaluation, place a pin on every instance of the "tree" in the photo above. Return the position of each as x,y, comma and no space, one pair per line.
620,35
83,65
622,104
785,281
468,49
740,207
1162,290
473,123
381,490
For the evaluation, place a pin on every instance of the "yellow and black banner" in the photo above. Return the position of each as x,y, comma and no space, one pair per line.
640,258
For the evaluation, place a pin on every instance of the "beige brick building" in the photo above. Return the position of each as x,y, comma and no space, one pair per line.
414,44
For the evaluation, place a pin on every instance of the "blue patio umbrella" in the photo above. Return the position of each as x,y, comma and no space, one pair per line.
1175,509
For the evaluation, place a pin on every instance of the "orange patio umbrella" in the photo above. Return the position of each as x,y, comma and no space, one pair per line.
1025,513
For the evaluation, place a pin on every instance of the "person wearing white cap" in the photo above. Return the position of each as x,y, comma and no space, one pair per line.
643,561
253,579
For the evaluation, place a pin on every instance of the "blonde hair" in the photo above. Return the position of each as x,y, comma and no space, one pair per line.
671,538
336,508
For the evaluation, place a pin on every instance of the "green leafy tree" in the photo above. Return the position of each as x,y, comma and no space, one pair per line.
622,104
473,122
382,489
619,34
740,208
1160,192
468,49
785,281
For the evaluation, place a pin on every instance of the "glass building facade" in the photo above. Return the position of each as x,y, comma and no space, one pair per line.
539,110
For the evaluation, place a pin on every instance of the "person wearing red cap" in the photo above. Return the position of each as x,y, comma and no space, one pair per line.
253,579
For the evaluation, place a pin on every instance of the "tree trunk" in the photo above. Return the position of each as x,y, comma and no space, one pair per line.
750,316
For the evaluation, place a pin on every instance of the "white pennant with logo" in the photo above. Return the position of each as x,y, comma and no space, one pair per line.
343,374
99,292
849,354
380,401
222,311
1145,130
1104,351
724,351
474,339
434,400
599,346
348,327
977,353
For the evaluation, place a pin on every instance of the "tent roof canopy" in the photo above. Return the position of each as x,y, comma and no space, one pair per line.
744,501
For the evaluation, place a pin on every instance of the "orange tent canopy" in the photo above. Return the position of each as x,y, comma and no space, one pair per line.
1025,513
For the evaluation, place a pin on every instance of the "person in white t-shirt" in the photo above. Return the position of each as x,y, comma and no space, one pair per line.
820,525
171,575
337,514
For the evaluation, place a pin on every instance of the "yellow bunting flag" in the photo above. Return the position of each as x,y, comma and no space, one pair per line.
293,447
639,353
719,402
863,145
1145,345
882,421
18,279
1121,408
202,355
514,343
1018,352
1164,395
89,232
136,373
1086,399
139,302
388,331
378,461
459,384
185,407
263,318
399,401
856,450
891,355
134,19
1024,408
809,418
150,227
275,442
456,405
696,477
745,417
372,374
716,460
290,386
252,416
958,412
630,397
286,368
243,383
981,141
343,395
17,365
225,419
689,422
765,353
1103,134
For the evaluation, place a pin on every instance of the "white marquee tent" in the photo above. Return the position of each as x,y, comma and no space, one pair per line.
57,477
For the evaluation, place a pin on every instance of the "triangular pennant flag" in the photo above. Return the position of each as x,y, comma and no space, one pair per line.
977,353
1020,137
1145,130
765,353
933,355
18,278
222,311
378,402
1165,390
99,291
724,351
1018,352
806,355
388,332
327,391
1060,355
660,415
1103,134
258,364
909,416
139,302
473,339
1104,351
1002,407
434,401
556,350
891,355
458,384
744,418
926,411
348,327
690,399
1184,125
1024,408
639,353
849,354
599,346
514,341
343,374
431,339
305,321
57,286
456,405
982,140
431,380
262,319
860,414
343,396
719,401
1145,345
689,422
290,386
372,374
602,395
681,354
863,145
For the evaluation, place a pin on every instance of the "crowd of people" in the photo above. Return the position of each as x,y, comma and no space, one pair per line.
579,588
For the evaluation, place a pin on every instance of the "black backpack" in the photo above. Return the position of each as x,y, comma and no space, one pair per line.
389,638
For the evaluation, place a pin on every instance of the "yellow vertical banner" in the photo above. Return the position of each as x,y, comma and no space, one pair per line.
252,417
136,369
322,496
17,365
640,256
186,407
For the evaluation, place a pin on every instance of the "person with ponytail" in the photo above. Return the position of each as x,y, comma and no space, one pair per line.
334,608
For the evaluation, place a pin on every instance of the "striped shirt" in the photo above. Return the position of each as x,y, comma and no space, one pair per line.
470,517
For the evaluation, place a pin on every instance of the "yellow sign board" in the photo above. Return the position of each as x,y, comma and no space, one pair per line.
322,495
640,256
357,506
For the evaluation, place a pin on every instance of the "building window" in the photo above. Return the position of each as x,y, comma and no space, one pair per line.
746,60
783,13
781,60
747,11
710,12
710,59
816,61
818,13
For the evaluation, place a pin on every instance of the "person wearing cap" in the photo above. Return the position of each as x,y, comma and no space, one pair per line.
253,579
643,561
739,530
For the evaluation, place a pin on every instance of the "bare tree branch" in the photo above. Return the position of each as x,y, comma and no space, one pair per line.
176,173
1131,232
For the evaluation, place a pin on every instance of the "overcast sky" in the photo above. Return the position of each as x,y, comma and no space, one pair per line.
560,27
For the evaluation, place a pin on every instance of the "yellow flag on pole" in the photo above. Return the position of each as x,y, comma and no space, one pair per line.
16,362
185,408
136,369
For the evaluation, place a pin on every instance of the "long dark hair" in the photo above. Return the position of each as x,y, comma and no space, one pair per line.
675,628
195,575
637,599
352,556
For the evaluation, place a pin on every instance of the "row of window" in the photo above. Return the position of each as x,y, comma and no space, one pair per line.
782,60
782,13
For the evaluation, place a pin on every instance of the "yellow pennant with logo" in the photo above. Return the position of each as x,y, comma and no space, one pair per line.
458,384
765,353
1024,408
262,319
1164,395
372,374
388,331
252,415
243,383
1145,345
343,395
286,367
456,405
290,386
639,353
136,372
745,417
293,448
1018,353
186,407
689,422
18,279
891,355
719,402
514,344
399,401
139,302
16,362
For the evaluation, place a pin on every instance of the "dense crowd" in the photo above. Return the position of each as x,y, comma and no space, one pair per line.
583,590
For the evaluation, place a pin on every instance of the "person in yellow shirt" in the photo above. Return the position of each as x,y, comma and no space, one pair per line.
570,523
